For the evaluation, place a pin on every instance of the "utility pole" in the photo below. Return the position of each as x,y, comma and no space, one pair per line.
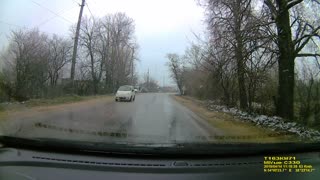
148,80
132,62
75,46
163,81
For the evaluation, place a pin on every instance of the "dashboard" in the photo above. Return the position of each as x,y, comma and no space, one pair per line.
24,164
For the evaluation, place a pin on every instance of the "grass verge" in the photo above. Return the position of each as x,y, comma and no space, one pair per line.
52,103
234,129
60,100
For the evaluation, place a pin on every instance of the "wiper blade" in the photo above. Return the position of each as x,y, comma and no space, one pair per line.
181,149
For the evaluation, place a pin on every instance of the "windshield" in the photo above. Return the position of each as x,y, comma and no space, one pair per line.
124,88
204,72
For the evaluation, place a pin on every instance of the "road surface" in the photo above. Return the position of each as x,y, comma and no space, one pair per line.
151,118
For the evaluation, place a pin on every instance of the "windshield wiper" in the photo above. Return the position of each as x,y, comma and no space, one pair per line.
181,149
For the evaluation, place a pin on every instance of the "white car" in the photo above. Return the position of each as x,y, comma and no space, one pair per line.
125,93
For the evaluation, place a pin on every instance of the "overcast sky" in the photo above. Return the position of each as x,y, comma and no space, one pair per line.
162,26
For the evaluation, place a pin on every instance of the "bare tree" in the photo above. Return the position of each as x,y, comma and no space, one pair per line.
289,49
308,89
176,68
149,83
194,55
35,61
234,23
27,54
123,31
59,56
118,49
89,39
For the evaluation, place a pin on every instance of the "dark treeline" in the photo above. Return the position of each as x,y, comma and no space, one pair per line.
37,65
259,56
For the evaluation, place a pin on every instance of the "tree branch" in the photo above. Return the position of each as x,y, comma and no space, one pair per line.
293,3
272,8
315,55
306,39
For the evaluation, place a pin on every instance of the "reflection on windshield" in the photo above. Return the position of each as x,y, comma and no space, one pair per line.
213,72
124,88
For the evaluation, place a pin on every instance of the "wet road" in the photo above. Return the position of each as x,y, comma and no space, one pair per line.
151,118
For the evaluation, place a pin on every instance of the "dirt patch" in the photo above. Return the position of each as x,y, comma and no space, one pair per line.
88,101
234,129
29,111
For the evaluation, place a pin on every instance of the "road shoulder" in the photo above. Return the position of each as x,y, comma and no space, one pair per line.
56,104
234,129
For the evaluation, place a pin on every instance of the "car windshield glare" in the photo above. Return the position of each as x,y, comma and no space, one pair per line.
124,88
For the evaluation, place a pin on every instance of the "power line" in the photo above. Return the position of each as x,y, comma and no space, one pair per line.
89,9
28,28
98,7
52,12
10,24
76,2
60,13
